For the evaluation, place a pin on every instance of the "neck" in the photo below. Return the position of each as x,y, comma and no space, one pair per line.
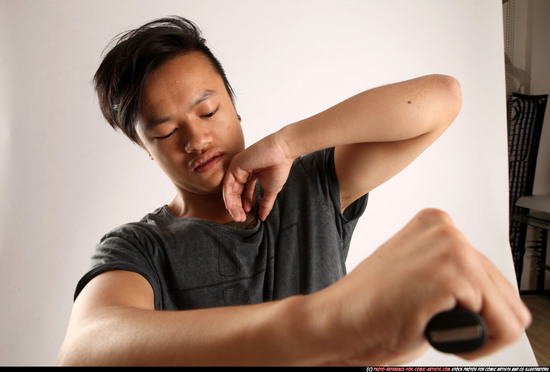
210,208
205,207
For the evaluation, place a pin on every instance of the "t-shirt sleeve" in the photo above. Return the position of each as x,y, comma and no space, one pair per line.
130,248
320,169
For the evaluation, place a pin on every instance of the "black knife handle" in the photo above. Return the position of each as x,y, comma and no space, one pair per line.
456,331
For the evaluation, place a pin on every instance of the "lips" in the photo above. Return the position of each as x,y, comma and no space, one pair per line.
206,161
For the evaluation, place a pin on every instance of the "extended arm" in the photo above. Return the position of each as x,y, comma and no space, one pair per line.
113,322
360,319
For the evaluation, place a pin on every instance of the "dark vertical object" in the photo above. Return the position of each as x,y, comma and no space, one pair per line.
525,118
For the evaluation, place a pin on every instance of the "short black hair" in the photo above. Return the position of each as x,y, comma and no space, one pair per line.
120,79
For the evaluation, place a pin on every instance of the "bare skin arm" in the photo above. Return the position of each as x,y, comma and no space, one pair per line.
113,322
354,321
357,319
376,134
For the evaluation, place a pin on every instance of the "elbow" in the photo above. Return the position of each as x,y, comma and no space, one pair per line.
76,351
62,361
65,357
443,96
84,353
451,93
70,355
455,92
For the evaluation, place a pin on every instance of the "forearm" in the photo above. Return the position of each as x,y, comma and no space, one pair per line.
388,113
283,332
375,133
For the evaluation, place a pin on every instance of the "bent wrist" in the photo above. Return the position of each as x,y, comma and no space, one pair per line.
290,142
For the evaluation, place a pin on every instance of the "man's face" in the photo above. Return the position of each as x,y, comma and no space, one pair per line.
189,124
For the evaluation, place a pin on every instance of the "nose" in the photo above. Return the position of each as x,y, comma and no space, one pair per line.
197,137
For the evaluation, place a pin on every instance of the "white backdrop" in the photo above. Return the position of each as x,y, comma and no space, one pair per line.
66,178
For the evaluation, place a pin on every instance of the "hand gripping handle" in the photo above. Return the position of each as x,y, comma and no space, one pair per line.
456,331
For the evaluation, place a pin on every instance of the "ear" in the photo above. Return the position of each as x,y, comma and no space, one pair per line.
146,150
140,143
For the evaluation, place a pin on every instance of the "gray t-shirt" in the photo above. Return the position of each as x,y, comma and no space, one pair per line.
190,263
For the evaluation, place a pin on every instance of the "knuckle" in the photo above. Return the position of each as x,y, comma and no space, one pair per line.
451,241
448,233
509,333
455,251
433,216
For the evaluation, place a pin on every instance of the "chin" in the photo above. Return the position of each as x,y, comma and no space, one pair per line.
214,188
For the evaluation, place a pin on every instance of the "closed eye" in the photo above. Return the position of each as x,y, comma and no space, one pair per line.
209,115
168,135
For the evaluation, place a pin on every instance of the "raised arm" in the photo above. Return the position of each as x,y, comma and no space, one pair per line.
376,134
379,132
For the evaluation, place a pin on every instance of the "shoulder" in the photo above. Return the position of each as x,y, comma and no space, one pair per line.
320,159
316,167
140,235
311,183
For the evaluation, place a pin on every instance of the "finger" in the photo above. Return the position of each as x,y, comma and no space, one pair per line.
502,311
231,192
266,205
238,214
248,195
236,210
509,292
227,187
228,192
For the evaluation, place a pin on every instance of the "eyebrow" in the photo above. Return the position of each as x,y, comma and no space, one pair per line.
197,101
